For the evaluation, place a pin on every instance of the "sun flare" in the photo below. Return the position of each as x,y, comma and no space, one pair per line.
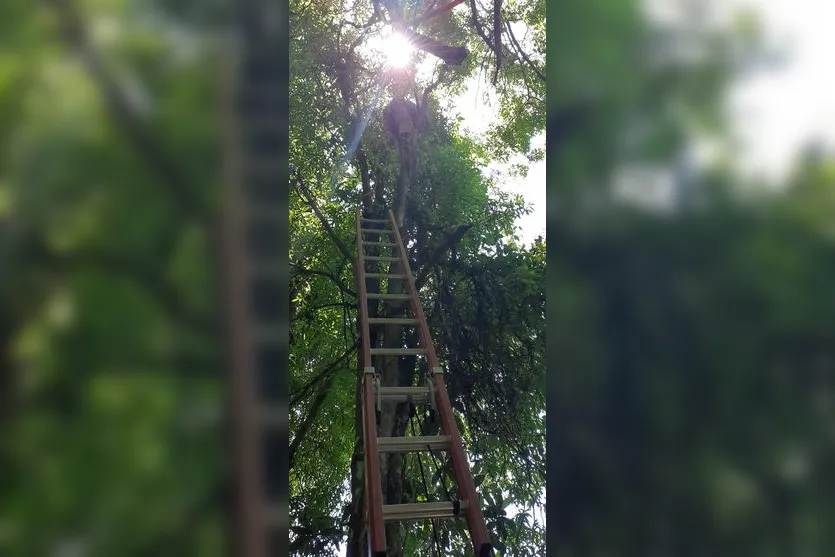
398,50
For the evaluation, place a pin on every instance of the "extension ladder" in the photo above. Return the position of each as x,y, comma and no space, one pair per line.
434,392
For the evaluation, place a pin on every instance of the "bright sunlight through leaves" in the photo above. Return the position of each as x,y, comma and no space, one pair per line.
396,49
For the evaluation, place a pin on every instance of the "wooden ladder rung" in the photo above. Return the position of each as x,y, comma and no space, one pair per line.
376,230
388,244
405,394
379,258
397,351
392,321
374,220
384,296
424,511
413,444
385,276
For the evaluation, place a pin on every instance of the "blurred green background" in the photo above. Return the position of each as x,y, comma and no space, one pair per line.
690,260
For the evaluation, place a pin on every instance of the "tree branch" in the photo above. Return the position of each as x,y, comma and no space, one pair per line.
434,85
522,52
330,368
497,37
301,433
337,282
451,240
311,202
130,123
477,25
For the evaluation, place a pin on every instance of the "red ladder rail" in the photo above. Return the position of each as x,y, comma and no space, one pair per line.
373,489
460,465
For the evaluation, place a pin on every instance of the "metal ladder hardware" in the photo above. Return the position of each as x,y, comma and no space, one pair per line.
415,395
465,504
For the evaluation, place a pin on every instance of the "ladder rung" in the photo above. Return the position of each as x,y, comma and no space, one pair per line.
392,321
413,444
384,275
384,296
389,244
379,258
423,511
397,351
374,220
405,394
376,230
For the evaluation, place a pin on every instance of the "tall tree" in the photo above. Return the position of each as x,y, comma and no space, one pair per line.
449,214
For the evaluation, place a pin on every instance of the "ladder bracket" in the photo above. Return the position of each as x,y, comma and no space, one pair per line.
369,369
437,370
431,385
378,383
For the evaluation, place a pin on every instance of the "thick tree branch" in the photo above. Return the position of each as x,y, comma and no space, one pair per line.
495,44
497,37
479,28
129,122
